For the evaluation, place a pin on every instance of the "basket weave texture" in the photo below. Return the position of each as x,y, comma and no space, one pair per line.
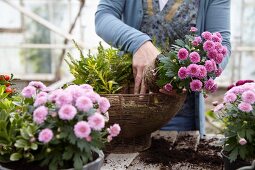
139,115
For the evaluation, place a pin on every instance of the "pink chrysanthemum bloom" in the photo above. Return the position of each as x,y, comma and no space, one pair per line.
37,84
209,66
214,88
78,92
208,45
86,87
193,70
245,107
193,29
82,129
88,139
64,98
207,35
28,92
40,114
168,87
215,38
54,94
196,85
218,72
194,57
183,54
109,138
218,47
219,58
182,73
84,104
45,135
224,51
218,34
242,141
212,54
209,84
67,112
202,72
94,97
114,130
218,108
230,97
96,121
104,104
248,96
42,94
197,41
40,101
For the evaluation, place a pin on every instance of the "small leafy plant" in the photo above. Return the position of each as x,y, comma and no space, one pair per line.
6,80
59,128
107,71
192,64
237,114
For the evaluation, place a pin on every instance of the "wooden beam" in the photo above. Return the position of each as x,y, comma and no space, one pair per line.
11,30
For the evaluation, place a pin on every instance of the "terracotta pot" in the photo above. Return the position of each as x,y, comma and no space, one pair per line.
94,165
238,163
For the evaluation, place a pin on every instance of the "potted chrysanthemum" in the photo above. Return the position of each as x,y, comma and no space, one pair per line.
238,117
58,129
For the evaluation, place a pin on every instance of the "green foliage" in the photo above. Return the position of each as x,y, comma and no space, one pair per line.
107,71
239,125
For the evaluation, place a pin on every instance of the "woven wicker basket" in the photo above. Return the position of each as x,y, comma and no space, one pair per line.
139,116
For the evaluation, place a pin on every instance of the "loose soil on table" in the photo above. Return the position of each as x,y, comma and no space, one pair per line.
206,156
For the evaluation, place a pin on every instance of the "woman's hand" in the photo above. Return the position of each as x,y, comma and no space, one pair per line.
143,57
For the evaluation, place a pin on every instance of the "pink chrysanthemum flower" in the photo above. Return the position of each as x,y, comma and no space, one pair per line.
42,94
218,108
218,72
67,112
168,87
104,104
224,51
218,34
96,121
114,130
84,104
245,107
40,114
212,54
193,29
202,72
194,57
45,135
64,98
54,94
209,65
208,45
218,47
230,97
209,84
28,92
86,87
183,54
82,129
219,58
182,73
215,38
37,84
207,35
197,41
248,96
214,88
93,96
193,70
40,101
196,85
242,141
109,138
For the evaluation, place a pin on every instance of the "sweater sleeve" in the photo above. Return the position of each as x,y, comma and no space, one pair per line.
218,20
113,30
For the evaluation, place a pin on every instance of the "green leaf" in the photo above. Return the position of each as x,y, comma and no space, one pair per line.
34,146
179,42
242,152
15,156
233,154
250,134
78,164
67,155
21,143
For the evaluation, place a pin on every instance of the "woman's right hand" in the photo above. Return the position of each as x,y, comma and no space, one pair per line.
143,57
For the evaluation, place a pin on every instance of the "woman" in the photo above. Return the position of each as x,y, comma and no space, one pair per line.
131,24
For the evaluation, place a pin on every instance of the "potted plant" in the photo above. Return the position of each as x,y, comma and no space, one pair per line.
191,65
56,129
6,80
238,117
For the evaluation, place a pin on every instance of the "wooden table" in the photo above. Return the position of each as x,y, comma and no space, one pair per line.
179,140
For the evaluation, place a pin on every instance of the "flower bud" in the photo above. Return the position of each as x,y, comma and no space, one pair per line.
32,139
242,141
48,150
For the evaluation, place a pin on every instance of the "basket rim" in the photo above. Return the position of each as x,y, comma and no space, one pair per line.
141,95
